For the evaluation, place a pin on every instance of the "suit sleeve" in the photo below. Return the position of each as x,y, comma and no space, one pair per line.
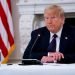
69,57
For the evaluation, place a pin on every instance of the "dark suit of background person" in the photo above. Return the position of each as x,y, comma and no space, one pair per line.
66,46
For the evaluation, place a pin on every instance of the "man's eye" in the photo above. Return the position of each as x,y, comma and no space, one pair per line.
46,18
50,17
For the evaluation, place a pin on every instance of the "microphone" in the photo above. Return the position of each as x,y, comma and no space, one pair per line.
31,61
35,41
25,61
34,44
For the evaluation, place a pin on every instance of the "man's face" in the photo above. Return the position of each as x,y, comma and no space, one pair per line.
53,20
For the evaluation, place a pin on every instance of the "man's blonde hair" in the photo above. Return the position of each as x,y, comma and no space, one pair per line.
57,9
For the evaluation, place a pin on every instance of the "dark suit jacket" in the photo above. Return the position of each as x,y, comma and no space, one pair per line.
39,49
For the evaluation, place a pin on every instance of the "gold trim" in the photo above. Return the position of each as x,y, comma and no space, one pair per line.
9,53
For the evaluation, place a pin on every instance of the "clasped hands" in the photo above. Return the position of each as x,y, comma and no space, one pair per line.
52,57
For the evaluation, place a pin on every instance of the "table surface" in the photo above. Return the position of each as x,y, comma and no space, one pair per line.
46,69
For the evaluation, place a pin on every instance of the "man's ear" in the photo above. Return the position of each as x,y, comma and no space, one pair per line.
63,20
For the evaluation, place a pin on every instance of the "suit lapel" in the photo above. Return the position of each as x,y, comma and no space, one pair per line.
64,40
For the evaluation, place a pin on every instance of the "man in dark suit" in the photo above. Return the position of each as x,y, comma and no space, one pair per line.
55,33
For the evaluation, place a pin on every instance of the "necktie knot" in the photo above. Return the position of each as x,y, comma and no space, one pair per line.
54,36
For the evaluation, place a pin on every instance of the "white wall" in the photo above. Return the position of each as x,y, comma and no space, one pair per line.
15,15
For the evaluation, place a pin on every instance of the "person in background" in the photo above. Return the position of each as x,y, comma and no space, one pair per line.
55,42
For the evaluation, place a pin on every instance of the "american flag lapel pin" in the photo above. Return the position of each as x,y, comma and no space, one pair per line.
66,38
